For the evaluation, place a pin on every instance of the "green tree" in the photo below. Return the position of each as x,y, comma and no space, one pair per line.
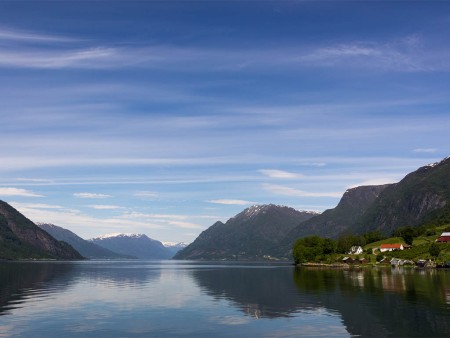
434,250
313,248
380,257
407,233
373,236
329,246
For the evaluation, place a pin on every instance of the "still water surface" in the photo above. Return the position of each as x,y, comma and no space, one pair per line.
191,299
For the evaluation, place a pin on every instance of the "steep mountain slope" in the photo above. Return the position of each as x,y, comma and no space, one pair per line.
423,196
86,248
251,234
137,245
20,238
332,222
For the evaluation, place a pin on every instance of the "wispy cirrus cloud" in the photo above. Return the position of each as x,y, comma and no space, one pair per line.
81,58
425,150
273,173
33,180
18,192
186,225
7,33
288,191
401,54
90,195
146,194
104,207
231,202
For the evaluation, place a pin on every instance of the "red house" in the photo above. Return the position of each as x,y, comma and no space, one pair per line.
444,237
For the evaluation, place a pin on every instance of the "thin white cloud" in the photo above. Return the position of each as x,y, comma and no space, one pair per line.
36,205
231,202
104,207
146,194
90,195
81,223
186,225
288,191
273,173
18,192
375,181
82,58
398,55
23,36
33,180
425,150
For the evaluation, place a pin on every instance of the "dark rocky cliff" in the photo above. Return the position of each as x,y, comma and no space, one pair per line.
20,238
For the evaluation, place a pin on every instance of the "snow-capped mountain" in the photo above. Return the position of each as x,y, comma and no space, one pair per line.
174,247
137,245
85,248
252,234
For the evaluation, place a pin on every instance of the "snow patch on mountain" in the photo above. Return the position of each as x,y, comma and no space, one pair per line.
174,244
117,234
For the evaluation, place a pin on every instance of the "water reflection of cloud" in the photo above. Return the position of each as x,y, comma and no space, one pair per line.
230,320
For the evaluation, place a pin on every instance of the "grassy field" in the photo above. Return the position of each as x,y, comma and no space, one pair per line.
390,240
419,250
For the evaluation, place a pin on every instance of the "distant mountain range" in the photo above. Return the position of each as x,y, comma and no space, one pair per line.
136,245
258,232
20,238
422,197
250,234
86,248
174,247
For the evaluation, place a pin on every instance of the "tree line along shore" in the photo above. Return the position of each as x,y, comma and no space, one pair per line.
415,246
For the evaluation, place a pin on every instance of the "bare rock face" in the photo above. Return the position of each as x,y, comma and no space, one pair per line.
20,238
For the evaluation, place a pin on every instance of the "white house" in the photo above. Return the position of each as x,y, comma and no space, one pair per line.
355,250
390,247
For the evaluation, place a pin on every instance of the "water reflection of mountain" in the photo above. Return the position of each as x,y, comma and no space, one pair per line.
382,302
370,302
260,292
20,281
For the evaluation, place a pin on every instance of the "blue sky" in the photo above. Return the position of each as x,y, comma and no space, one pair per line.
162,117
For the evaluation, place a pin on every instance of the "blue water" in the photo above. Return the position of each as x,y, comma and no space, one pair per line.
191,299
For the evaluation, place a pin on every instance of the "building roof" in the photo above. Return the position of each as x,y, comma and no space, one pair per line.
390,246
445,234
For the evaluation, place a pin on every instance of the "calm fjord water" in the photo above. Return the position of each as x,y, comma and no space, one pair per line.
191,299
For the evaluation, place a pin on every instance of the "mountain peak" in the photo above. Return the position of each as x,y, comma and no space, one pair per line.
175,244
435,164
257,209
249,235
118,235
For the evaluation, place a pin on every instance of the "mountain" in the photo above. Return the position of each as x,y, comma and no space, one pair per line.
20,238
353,204
174,247
422,197
86,248
251,234
137,245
